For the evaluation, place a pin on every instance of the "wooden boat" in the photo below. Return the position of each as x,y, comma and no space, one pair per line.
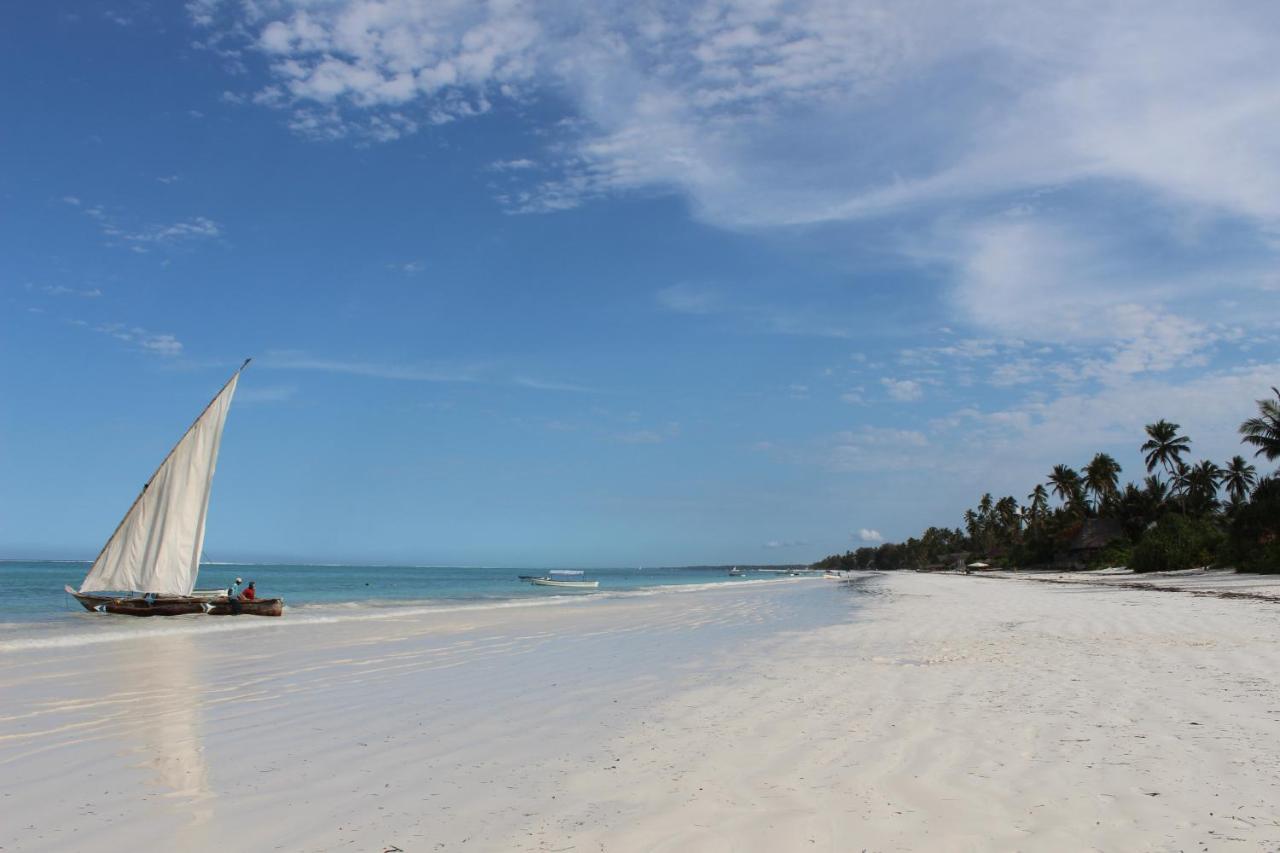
179,605
566,579
150,563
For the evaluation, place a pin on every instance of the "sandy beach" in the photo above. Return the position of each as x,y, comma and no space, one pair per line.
899,712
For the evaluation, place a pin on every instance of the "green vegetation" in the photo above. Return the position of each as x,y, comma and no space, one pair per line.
1181,516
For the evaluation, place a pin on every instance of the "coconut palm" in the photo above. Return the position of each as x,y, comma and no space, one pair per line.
1202,486
1037,504
1164,446
1066,485
1180,482
1102,478
1264,431
1010,519
1238,478
1157,490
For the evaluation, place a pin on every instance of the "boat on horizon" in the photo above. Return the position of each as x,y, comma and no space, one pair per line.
565,578
150,563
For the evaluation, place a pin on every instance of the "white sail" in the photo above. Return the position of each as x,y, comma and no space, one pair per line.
157,546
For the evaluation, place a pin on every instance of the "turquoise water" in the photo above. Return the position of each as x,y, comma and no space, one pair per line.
33,605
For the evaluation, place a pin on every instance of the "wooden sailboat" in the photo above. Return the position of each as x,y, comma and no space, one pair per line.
153,557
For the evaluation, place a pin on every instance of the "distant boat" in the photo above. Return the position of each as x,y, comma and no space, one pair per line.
565,578
735,572
154,553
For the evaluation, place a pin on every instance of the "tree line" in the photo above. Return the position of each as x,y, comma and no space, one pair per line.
1182,514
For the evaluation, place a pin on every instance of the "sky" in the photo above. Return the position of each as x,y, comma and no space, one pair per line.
536,283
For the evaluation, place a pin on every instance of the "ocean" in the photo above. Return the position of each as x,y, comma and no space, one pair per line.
35,611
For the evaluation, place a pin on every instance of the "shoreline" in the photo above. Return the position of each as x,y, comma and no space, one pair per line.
900,712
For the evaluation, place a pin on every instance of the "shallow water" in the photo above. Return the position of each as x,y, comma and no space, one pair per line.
34,610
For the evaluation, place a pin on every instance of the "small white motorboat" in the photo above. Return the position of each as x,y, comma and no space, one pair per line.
566,579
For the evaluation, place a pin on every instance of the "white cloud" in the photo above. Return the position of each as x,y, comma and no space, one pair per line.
854,397
142,239
876,449
153,342
781,544
903,390
1161,114
199,227
698,96
869,535
514,165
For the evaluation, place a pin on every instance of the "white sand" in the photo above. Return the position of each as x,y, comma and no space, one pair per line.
951,713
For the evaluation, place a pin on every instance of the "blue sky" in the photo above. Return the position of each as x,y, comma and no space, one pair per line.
665,283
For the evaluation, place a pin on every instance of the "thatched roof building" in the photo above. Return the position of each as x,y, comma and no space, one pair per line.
1095,534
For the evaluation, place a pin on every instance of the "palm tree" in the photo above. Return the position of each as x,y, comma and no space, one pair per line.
1202,485
1238,478
1102,477
1180,482
1037,504
1165,447
1156,489
1066,485
1009,517
1264,431
971,525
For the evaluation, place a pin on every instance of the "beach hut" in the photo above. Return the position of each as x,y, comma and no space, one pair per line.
1095,534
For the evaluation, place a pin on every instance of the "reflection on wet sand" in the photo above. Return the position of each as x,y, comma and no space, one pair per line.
166,730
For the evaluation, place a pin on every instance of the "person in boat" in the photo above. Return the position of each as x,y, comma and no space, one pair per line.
231,590
249,594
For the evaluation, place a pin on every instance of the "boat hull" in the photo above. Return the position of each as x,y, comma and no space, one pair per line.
566,584
178,606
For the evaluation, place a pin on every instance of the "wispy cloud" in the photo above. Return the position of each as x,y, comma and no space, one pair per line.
871,448
695,96
648,436
755,315
266,393
153,342
62,290
407,267
552,385
782,544
903,390
518,164
406,372
144,238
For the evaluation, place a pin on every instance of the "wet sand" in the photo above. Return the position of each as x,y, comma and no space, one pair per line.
904,712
